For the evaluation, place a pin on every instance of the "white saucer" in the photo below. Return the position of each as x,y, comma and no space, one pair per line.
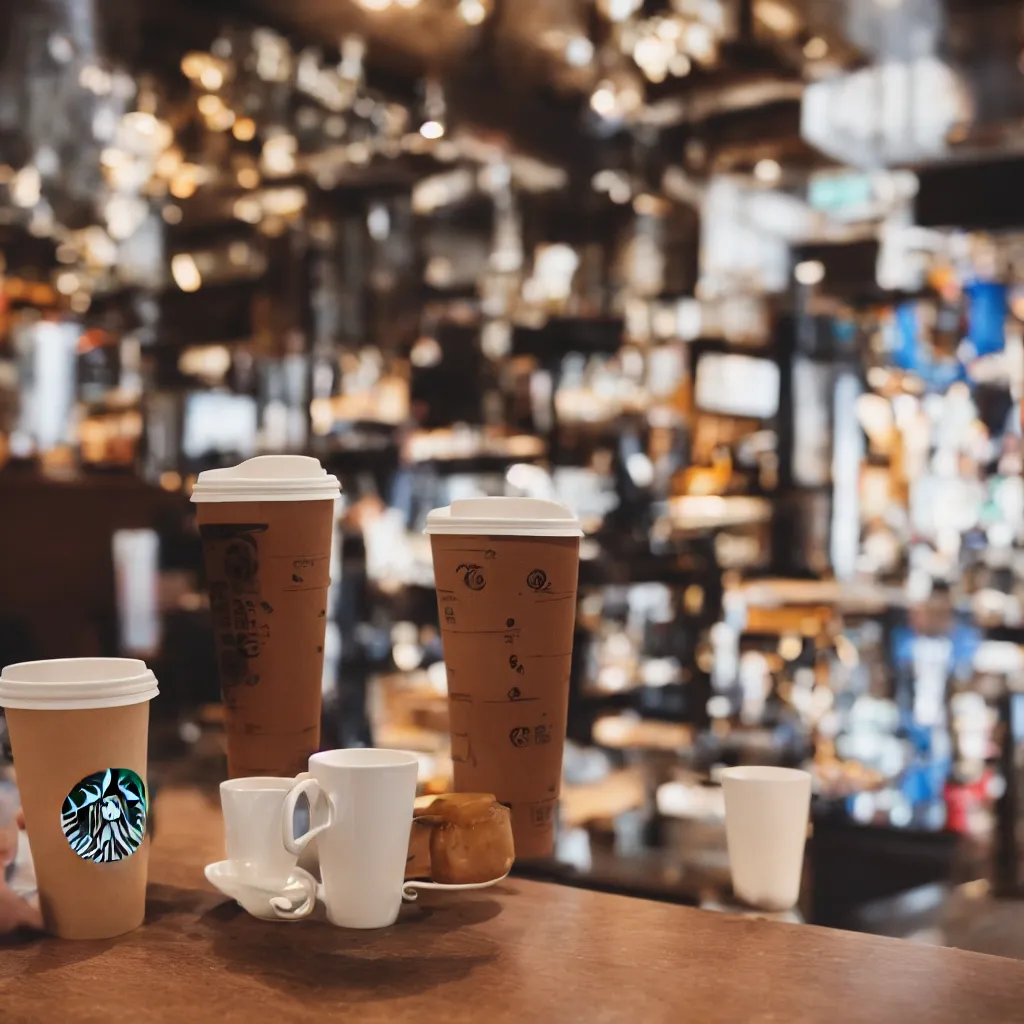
291,902
410,890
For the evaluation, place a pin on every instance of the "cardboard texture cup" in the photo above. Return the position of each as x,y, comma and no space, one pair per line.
268,572
79,731
507,608
53,750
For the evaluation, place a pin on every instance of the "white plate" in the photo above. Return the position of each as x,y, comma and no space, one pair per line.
410,890
291,902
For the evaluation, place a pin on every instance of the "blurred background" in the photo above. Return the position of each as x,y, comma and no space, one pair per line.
740,281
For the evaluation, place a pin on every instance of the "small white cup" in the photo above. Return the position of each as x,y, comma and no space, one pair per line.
766,813
257,857
364,842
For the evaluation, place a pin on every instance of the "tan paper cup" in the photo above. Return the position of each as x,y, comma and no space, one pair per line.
79,730
266,527
506,572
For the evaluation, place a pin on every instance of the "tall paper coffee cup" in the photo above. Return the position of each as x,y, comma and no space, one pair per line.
266,527
506,571
79,730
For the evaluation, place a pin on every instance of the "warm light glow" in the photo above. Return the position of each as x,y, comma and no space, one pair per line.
279,154
209,104
211,77
375,5
472,12
244,129
680,65
579,52
248,210
602,100
619,10
778,17
171,214
183,186
248,177
68,282
768,171
432,129
815,48
810,272
185,272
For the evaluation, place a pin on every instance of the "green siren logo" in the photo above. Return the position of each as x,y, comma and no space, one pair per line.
104,815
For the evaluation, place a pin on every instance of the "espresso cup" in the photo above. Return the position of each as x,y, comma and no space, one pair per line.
256,856
367,798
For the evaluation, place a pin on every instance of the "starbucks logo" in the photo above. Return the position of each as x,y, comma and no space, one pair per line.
472,576
104,815
538,580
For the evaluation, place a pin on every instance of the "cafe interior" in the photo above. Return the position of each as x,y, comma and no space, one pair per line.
739,282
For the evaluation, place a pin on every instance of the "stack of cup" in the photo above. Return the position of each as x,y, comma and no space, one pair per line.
506,571
79,730
266,527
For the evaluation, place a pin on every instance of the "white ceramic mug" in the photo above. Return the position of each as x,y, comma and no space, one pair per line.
766,812
364,842
267,879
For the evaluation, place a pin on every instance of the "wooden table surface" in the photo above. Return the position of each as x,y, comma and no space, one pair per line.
523,952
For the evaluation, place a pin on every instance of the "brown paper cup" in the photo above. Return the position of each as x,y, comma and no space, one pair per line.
507,607
268,572
62,755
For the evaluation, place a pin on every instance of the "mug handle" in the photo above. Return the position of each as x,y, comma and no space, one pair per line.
287,909
304,784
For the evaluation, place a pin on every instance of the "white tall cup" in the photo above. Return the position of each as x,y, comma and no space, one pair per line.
766,814
364,842
252,841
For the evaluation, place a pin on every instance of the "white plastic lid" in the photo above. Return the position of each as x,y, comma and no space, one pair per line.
268,478
71,684
504,517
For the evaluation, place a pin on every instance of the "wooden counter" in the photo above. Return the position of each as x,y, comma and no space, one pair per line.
522,952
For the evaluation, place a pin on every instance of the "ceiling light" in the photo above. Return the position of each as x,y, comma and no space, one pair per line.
472,12
815,48
768,171
431,129
185,272
810,272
